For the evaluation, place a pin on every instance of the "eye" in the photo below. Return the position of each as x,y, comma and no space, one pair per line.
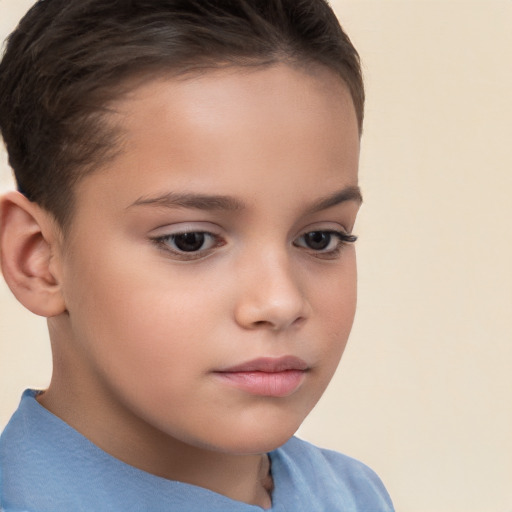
326,243
189,244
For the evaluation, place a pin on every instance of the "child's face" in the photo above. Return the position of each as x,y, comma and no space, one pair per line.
259,167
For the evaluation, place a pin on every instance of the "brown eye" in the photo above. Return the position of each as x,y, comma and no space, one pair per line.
189,245
189,242
324,243
318,240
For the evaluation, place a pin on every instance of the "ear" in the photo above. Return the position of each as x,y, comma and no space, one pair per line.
28,238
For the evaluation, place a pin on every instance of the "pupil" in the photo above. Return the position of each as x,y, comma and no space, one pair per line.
189,242
318,240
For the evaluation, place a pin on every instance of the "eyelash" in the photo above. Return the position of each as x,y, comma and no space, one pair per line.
163,242
343,240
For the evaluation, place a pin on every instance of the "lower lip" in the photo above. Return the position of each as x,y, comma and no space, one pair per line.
274,384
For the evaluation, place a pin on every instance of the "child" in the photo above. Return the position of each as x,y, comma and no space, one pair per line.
187,176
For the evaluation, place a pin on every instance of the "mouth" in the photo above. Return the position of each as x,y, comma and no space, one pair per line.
266,376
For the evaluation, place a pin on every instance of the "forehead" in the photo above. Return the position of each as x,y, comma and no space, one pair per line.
244,129
275,97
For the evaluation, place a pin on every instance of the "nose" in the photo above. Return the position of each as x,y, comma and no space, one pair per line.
270,295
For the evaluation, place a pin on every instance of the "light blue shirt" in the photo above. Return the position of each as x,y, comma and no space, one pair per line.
47,466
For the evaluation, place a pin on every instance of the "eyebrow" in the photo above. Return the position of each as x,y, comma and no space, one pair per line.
342,196
228,203
195,201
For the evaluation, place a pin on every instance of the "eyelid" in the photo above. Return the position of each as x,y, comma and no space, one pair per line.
161,236
340,228
343,235
344,238
162,243
179,228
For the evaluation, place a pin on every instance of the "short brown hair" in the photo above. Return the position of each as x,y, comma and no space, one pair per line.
68,59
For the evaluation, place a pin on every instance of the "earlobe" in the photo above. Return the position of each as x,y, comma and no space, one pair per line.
26,240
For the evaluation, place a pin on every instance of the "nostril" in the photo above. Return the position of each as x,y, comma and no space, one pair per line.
298,321
277,325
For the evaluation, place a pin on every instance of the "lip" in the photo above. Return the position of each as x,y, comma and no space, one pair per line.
266,376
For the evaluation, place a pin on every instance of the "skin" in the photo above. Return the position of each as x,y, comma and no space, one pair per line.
139,329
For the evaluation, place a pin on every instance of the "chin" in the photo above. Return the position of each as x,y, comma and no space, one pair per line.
252,446
258,437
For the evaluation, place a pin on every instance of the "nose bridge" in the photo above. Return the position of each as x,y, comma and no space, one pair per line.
271,294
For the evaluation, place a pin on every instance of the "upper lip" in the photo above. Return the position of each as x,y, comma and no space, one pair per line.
269,365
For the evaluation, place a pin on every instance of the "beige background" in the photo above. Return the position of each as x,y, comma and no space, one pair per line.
424,393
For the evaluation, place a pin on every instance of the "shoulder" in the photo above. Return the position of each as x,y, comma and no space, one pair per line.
333,476
331,462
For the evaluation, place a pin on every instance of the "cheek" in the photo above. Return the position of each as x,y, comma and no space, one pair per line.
335,295
148,321
334,302
158,318
133,314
